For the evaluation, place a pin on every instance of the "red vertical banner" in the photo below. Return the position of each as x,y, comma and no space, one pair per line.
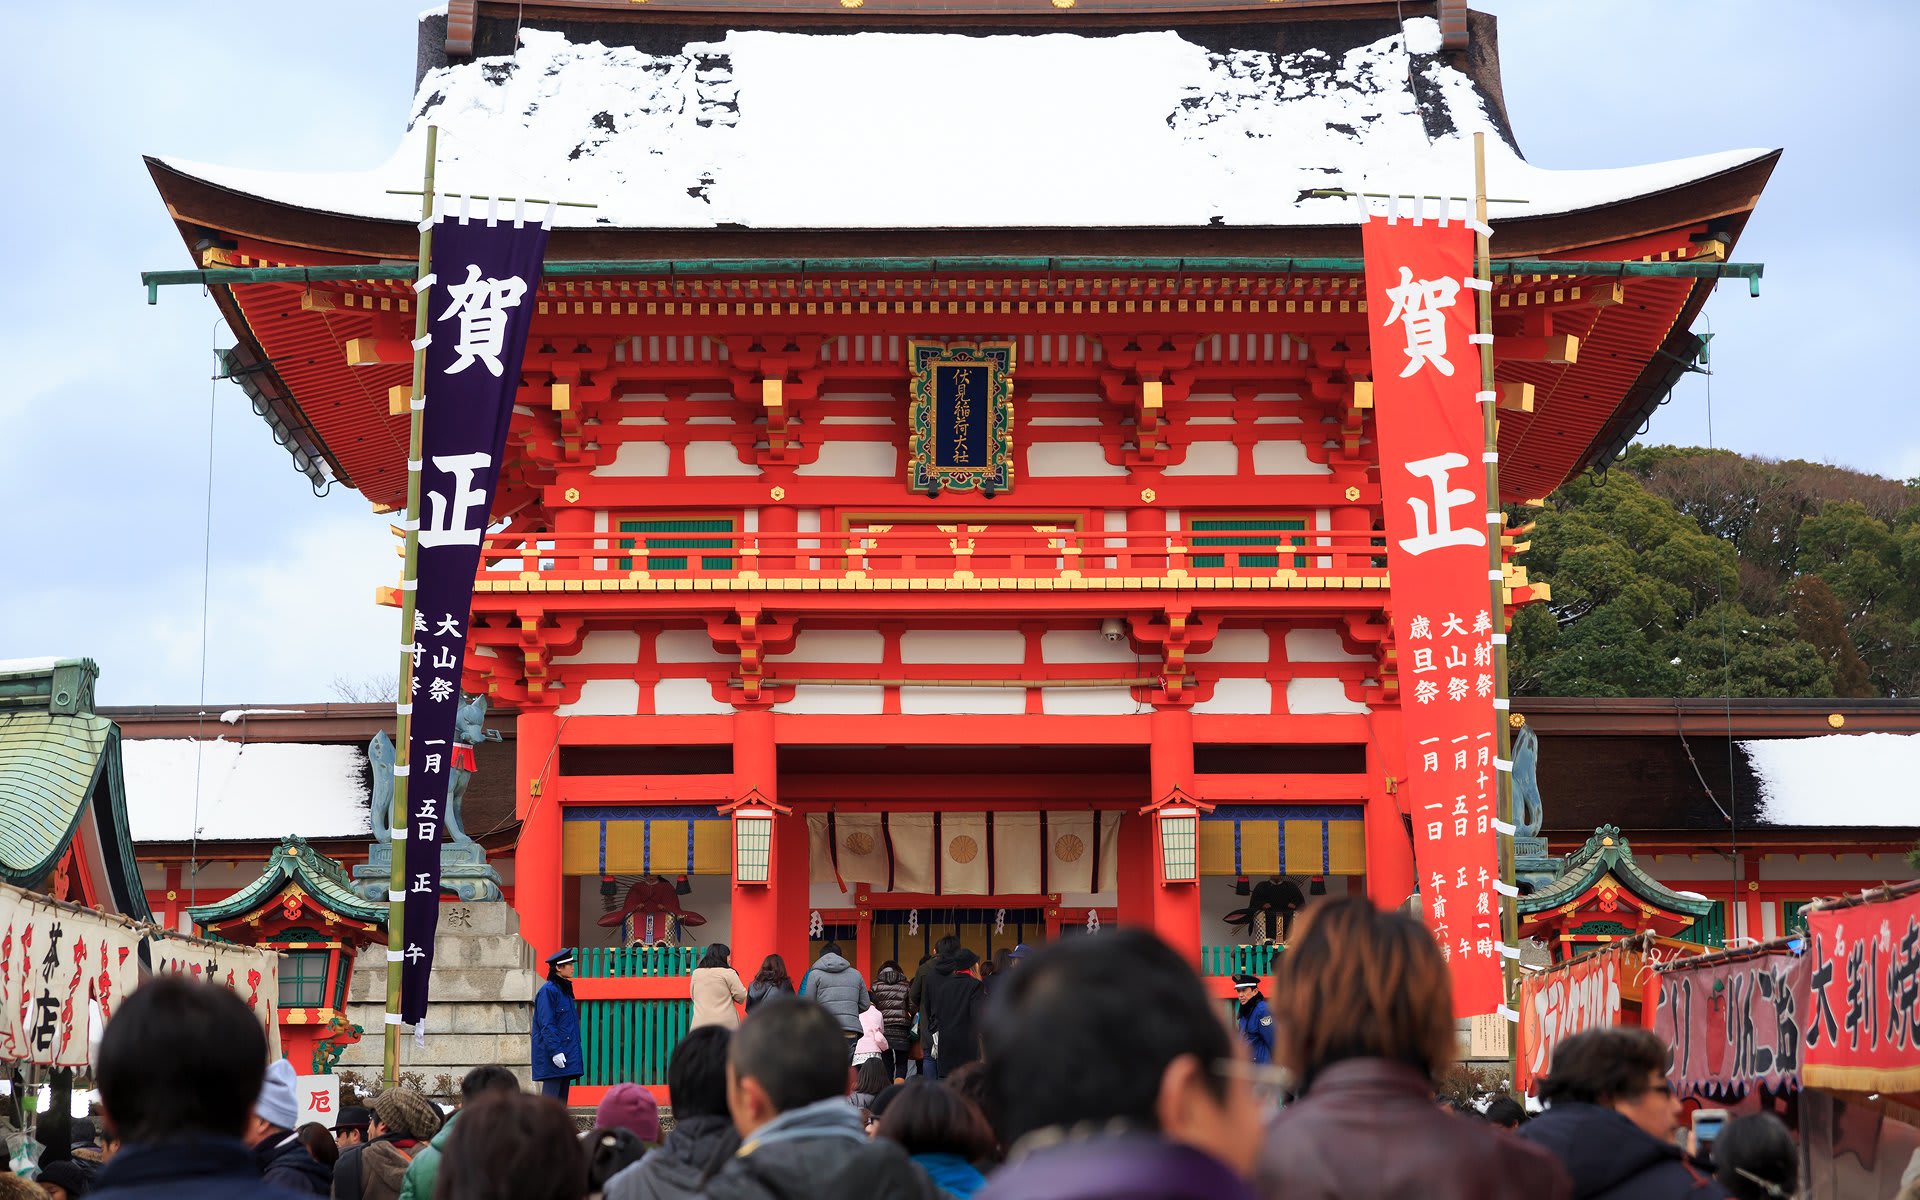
1427,427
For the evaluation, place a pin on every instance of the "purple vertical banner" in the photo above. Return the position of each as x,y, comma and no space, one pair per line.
486,274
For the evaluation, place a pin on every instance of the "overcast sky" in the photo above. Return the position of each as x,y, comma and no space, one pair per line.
104,422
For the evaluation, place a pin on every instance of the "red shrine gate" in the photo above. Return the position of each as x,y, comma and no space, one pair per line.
1135,665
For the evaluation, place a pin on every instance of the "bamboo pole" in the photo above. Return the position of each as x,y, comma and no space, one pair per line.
1496,587
403,711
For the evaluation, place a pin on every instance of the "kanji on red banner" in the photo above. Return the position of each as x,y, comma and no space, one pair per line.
1433,482
1863,1005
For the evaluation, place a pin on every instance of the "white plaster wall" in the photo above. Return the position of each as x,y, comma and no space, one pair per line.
1238,696
1056,460
834,646
850,419
716,458
1208,458
686,697
686,646
1236,645
972,700
604,698
963,646
1084,646
1088,702
1306,696
606,646
877,460
1285,458
635,458
710,420
820,698
1319,645
643,420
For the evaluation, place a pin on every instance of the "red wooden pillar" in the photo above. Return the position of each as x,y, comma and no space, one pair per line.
779,523
1390,876
756,906
1175,908
536,856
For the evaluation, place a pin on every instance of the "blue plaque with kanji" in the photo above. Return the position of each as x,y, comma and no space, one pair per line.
961,417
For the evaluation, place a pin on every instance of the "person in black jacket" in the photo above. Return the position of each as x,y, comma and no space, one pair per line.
179,1068
1610,1117
953,1000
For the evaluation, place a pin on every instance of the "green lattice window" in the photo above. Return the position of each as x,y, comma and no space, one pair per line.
1793,916
669,541
303,979
1245,531
1710,930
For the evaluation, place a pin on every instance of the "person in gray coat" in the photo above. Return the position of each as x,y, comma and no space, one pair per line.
834,985
703,1137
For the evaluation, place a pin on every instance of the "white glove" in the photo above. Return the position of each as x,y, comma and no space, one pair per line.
560,1061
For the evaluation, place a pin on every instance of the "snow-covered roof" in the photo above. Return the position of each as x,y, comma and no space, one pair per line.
779,130
247,790
1865,779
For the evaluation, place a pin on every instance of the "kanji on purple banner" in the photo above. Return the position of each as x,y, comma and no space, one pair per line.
486,273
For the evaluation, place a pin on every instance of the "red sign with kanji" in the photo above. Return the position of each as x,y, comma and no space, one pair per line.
1426,380
1863,1005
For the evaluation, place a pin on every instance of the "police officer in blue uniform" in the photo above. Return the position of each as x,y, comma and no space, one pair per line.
557,1057
1255,1019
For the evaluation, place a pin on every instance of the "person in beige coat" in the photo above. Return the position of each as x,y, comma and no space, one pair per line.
716,988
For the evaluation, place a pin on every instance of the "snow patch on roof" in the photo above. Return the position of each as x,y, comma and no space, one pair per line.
913,130
233,715
1862,779
247,790
10,665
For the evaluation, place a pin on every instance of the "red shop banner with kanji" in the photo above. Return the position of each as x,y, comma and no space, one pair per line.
1427,422
1863,998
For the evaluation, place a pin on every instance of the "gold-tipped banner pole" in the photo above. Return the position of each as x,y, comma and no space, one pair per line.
1496,584
403,717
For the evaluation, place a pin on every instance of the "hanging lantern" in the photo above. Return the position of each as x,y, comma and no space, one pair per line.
1176,831
752,845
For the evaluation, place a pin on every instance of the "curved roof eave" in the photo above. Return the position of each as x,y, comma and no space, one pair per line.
198,205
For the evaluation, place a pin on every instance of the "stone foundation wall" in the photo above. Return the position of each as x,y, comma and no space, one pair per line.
480,1008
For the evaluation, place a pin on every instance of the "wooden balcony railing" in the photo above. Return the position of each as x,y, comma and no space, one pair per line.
994,556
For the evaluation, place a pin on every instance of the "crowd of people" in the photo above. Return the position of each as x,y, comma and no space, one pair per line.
1096,1067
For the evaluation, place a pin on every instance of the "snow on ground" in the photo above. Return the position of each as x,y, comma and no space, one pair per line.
258,790
1863,779
867,130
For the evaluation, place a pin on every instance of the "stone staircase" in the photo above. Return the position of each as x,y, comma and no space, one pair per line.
480,1005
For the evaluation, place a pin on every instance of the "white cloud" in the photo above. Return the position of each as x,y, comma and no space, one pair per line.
281,623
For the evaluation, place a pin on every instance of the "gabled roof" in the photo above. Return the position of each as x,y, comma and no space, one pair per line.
1607,854
60,769
49,764
295,863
